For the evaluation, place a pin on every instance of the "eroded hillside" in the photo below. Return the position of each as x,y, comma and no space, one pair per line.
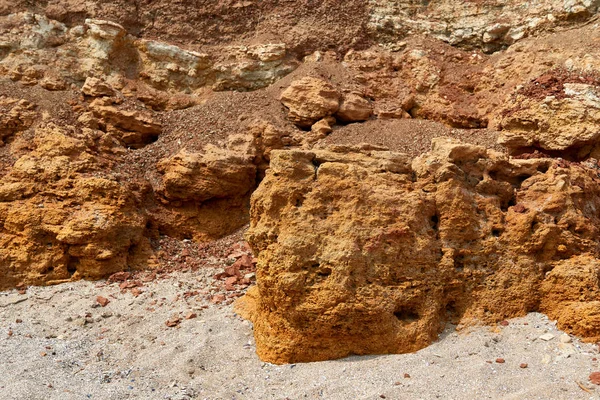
126,122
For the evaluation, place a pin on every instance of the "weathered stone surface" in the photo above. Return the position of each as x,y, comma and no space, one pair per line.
15,115
490,25
365,251
556,112
216,173
132,128
354,108
61,218
309,100
319,130
95,87
45,51
571,293
53,83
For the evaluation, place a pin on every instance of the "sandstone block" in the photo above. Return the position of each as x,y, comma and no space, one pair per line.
309,100
360,252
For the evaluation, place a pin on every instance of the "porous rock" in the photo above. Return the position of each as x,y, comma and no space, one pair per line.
216,173
554,115
15,116
354,108
364,251
62,218
309,100
133,128
95,87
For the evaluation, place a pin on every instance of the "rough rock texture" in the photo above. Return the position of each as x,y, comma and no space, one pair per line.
201,177
306,25
63,218
366,251
556,112
36,47
310,100
489,24
128,124
94,87
354,108
131,128
17,115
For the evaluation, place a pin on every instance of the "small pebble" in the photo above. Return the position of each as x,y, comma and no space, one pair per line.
546,337
565,338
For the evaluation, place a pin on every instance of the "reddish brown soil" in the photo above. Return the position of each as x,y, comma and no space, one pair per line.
552,83
410,136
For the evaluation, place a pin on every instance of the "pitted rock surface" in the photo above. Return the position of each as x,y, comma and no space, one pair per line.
365,251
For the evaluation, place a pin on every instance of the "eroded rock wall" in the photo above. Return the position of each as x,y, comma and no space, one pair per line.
124,122
65,216
490,24
365,251
36,49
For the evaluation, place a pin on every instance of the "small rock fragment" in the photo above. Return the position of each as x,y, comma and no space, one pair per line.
94,87
406,375
354,108
523,365
119,277
547,336
309,100
233,270
217,298
500,360
53,83
322,128
595,378
565,338
547,359
567,349
229,282
191,315
173,322
129,285
103,301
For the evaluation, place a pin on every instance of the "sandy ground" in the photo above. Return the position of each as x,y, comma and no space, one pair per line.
58,343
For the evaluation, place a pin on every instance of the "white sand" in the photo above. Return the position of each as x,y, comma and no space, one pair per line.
132,354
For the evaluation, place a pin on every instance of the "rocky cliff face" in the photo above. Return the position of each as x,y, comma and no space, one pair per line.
367,251
122,123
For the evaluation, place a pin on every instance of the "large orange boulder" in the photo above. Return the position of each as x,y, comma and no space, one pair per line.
365,251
